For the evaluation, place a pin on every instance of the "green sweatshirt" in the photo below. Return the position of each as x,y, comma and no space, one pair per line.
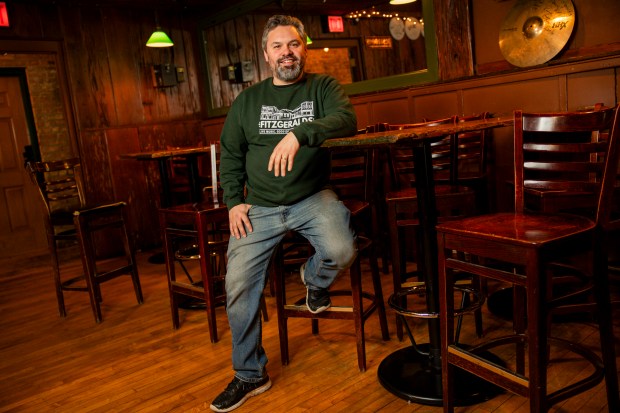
315,109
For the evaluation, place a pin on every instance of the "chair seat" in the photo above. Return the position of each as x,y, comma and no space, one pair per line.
521,229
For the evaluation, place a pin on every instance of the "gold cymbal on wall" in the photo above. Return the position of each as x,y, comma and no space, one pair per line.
534,31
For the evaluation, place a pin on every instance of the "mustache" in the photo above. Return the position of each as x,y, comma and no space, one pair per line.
291,57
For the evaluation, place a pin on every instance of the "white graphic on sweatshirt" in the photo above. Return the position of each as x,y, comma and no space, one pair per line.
281,121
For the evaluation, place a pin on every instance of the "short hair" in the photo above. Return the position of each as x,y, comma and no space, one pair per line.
281,20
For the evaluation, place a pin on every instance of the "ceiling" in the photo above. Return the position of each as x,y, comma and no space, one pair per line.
333,7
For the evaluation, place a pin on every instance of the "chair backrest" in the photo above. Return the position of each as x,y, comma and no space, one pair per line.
442,153
568,151
351,173
60,185
471,150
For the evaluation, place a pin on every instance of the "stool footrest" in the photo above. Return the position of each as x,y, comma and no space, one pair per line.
517,383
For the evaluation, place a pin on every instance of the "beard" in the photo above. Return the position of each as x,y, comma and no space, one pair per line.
289,73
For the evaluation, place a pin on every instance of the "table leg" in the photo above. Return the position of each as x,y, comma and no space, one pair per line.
193,177
414,373
165,201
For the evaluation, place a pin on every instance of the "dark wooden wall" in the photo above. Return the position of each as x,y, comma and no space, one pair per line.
112,107
240,39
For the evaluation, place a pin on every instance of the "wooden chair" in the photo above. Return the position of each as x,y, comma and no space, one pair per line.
352,180
197,232
519,247
454,197
472,154
70,219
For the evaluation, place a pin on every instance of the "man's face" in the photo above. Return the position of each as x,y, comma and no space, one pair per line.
285,53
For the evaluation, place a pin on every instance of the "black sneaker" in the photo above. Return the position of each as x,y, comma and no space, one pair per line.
237,392
317,299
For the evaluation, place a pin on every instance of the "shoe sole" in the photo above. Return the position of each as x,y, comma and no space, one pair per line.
252,393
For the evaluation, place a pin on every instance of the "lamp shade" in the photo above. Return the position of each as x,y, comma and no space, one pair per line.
401,1
159,39
308,40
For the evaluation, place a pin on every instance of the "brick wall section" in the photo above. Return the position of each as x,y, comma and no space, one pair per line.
46,102
330,62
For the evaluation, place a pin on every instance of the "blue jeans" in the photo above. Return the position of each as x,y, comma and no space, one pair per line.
325,222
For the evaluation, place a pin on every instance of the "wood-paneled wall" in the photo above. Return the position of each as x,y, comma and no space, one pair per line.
112,107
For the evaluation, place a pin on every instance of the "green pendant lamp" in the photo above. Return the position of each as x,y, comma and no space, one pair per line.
159,39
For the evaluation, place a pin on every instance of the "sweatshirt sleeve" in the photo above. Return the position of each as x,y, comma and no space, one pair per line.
232,157
335,116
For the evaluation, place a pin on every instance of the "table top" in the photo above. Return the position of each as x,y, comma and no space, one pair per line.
167,153
422,133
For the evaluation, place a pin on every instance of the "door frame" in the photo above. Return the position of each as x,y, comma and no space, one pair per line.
20,74
56,49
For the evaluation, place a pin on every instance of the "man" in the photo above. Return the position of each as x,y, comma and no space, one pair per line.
275,178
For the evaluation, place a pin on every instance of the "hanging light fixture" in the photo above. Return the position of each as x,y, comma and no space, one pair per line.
308,40
159,39
401,1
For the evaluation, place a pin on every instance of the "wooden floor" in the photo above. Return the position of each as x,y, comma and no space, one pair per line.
135,362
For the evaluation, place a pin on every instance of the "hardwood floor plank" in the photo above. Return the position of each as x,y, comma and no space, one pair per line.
135,362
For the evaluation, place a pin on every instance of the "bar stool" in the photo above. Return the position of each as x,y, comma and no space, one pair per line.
352,181
520,247
89,223
68,218
204,225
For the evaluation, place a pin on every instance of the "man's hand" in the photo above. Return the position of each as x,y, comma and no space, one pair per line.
239,221
281,159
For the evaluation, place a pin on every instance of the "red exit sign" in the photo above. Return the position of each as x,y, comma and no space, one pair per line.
335,24
4,15
332,24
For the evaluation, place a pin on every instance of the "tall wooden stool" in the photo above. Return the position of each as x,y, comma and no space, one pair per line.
204,225
363,303
97,230
352,179
521,247
108,220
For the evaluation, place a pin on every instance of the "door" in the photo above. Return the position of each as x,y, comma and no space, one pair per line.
22,231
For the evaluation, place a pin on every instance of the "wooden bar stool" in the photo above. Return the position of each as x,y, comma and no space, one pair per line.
89,223
69,218
203,226
352,179
520,248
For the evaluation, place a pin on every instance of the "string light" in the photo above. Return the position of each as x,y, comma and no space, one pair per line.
372,13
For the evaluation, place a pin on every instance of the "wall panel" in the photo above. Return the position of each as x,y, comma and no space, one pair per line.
585,89
436,105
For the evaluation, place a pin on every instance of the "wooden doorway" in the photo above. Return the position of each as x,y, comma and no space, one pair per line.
22,231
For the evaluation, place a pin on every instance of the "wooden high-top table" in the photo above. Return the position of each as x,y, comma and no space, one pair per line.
190,154
408,373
